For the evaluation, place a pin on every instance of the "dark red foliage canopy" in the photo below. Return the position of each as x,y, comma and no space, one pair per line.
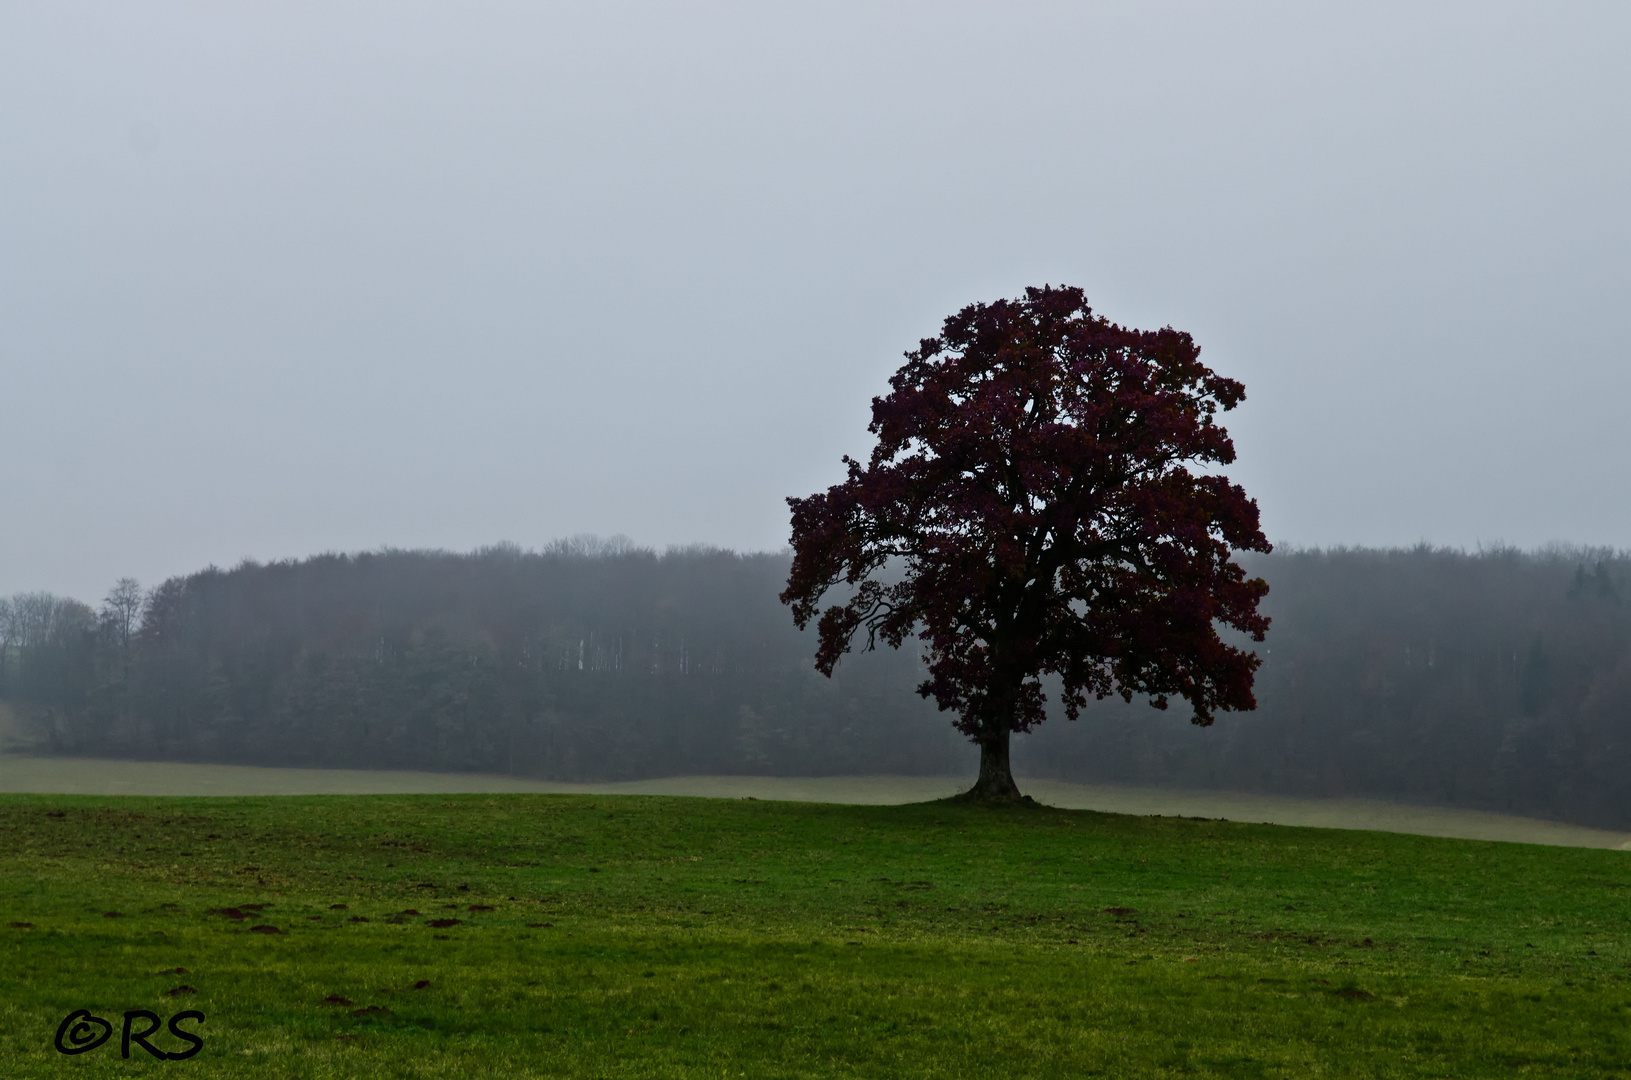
1031,508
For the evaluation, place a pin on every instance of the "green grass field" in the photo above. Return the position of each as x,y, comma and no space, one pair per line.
673,937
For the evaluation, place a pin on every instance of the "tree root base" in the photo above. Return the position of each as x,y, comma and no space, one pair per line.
981,798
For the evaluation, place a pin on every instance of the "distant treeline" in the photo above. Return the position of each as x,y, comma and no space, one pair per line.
1499,680
1496,681
586,661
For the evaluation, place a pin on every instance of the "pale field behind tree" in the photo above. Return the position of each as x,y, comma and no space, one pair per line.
22,772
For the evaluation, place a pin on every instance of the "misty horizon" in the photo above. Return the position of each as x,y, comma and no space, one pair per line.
1498,681
593,544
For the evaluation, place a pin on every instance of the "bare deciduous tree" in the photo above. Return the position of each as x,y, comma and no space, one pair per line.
122,610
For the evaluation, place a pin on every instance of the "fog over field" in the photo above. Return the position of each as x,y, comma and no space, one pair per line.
89,776
281,279
1498,682
320,326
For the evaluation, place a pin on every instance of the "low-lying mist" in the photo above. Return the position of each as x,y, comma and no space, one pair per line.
1497,680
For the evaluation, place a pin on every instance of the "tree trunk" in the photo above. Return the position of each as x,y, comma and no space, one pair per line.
996,782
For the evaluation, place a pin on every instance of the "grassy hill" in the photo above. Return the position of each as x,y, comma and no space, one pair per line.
676,937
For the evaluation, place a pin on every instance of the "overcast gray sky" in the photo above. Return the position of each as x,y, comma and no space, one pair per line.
278,278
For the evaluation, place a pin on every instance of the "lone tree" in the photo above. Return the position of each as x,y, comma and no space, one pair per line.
1029,509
